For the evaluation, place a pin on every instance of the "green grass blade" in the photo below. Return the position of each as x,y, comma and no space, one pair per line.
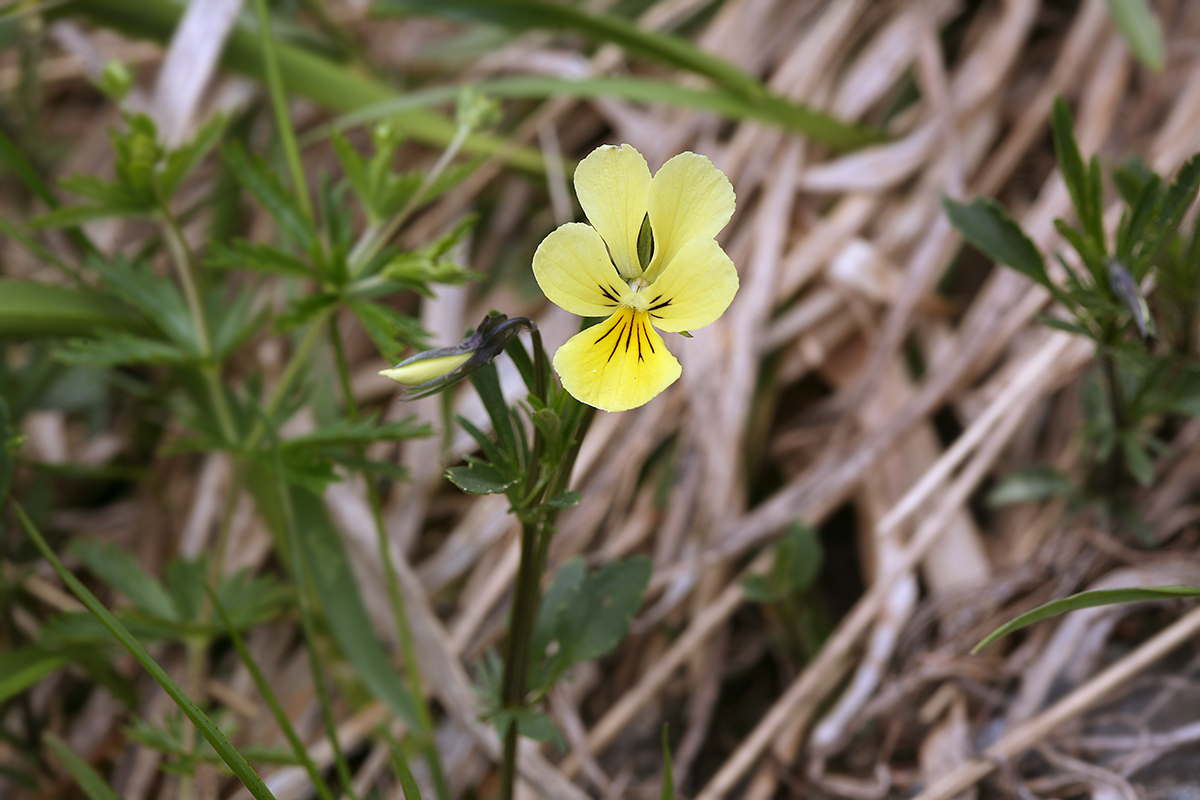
11,155
814,124
305,73
668,787
25,667
343,607
1141,30
283,122
31,310
1100,597
90,781
535,14
742,97
268,695
400,764
228,753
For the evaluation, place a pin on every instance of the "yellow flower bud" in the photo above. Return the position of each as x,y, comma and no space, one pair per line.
415,372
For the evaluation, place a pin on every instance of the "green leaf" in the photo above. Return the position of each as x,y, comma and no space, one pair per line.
257,257
487,384
228,753
535,14
1179,197
407,782
993,232
261,181
668,787
1141,30
9,442
268,694
1030,485
740,95
153,295
183,160
479,478
797,563
1137,459
121,349
389,330
31,310
1099,597
583,616
20,669
566,499
94,786
1079,179
532,724
338,590
121,571
186,579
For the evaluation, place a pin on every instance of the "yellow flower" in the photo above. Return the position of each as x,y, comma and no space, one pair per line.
648,260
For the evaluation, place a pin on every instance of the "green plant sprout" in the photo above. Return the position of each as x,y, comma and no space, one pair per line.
1146,371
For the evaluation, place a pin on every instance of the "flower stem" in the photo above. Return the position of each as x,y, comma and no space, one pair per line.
536,535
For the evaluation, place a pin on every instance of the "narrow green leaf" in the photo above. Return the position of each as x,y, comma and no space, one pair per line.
8,446
407,782
535,14
272,700
90,781
1070,162
228,753
1140,465
1179,198
993,232
741,96
259,257
487,384
1030,485
260,180
1100,597
668,787
121,571
1141,30
342,605
31,310
20,669
16,160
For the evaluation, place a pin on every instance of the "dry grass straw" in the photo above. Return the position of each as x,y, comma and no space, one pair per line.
839,259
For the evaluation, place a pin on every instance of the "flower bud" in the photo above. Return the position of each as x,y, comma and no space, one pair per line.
434,370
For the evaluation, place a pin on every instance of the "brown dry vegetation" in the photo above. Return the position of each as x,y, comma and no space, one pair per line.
871,378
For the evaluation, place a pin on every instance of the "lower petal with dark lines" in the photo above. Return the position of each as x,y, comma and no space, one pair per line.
619,364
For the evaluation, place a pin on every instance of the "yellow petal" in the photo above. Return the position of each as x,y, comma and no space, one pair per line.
619,364
425,369
694,289
689,197
613,183
572,267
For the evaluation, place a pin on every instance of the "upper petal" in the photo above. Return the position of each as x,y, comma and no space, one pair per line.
619,364
694,289
572,267
689,197
613,184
